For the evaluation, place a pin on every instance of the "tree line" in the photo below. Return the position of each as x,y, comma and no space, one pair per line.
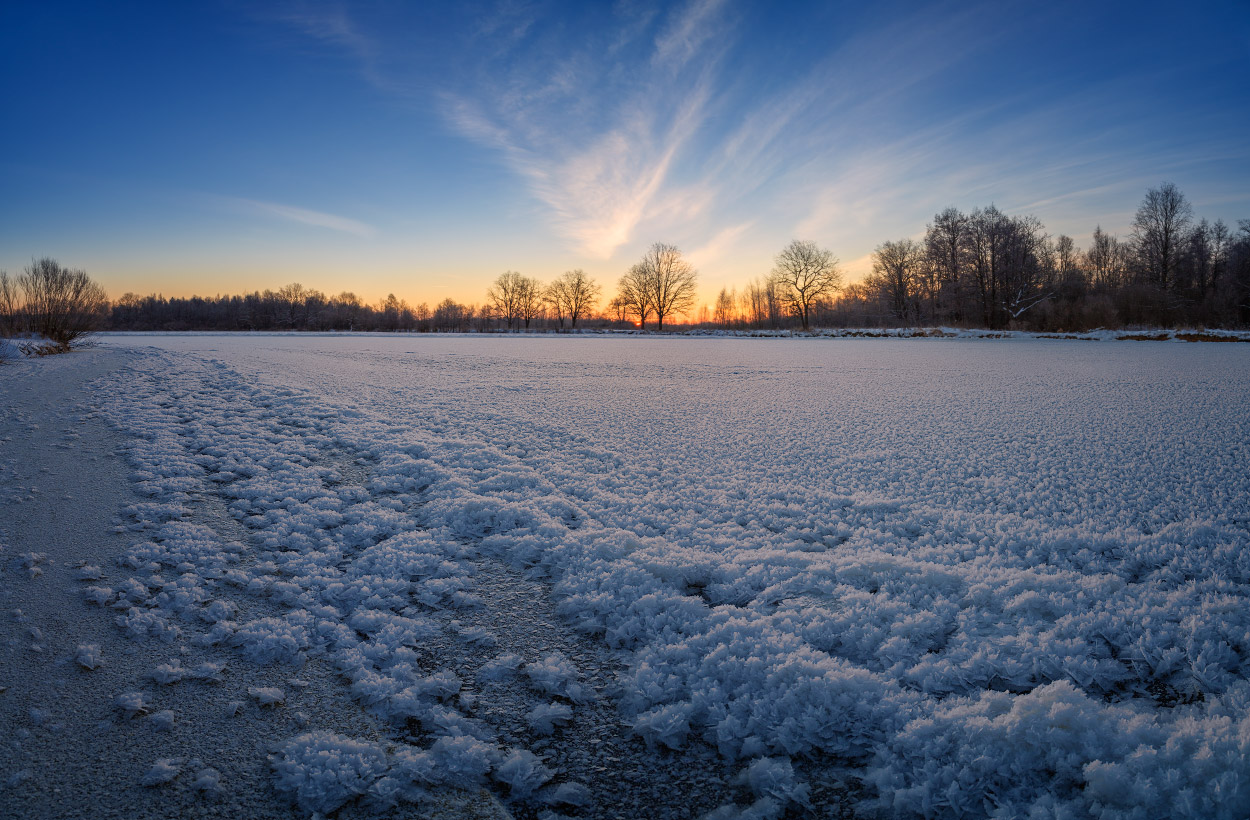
992,270
984,268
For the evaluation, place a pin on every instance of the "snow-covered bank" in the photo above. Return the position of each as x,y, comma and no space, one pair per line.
990,578
1101,335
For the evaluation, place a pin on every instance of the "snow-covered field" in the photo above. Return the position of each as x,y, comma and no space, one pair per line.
737,577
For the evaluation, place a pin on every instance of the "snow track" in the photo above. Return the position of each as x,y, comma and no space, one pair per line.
997,578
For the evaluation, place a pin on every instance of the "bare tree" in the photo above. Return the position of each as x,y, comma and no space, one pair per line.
619,310
529,300
724,312
10,318
761,302
985,241
945,244
554,297
806,273
573,294
346,308
421,313
291,300
1158,231
667,280
634,294
450,316
1220,242
1066,256
57,303
1107,260
896,274
1026,275
505,296
582,294
753,304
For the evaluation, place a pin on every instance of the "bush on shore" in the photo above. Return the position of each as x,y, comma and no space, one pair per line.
55,308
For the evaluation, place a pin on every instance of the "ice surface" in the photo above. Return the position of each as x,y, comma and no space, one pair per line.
1006,577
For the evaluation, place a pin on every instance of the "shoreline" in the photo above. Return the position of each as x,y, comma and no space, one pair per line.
1187,335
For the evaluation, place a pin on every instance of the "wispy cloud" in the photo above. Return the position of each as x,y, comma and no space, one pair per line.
685,36
602,159
333,26
660,138
720,244
658,122
302,216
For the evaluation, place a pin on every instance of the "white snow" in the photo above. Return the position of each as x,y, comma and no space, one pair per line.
132,703
163,770
88,656
545,717
1005,577
267,695
208,781
162,721
323,770
523,772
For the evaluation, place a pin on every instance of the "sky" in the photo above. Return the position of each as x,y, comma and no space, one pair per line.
422,149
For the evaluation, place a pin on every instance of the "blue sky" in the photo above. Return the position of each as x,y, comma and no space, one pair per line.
423,149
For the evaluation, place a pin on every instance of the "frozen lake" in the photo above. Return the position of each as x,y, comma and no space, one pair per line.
1005,575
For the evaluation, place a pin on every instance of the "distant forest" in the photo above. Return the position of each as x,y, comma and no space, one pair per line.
983,269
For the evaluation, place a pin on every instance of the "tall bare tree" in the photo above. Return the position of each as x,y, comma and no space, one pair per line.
1106,259
504,296
1158,231
806,273
573,294
634,294
1026,277
669,281
985,241
555,300
762,303
945,244
10,320
529,300
724,312
896,273
1067,256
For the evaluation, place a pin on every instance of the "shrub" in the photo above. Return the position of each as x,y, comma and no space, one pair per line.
49,301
